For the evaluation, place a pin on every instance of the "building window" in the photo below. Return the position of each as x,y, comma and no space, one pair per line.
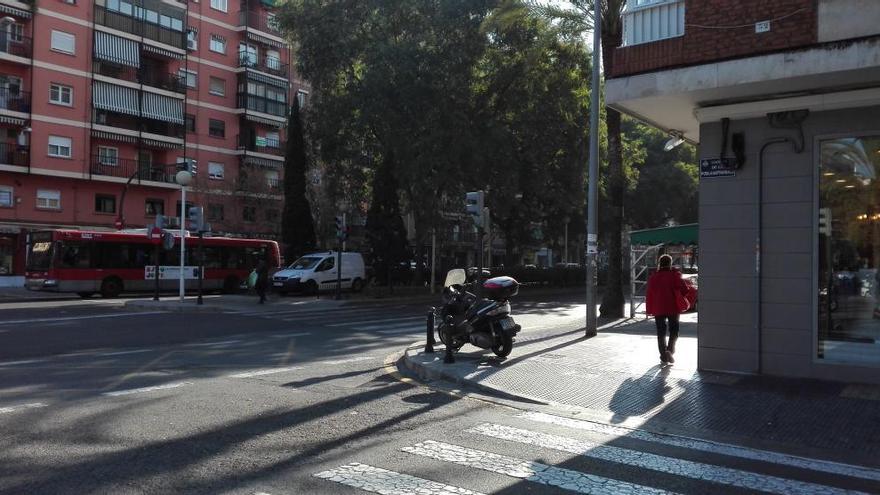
6,196
108,155
192,39
218,86
190,122
190,78
249,213
218,44
219,5
273,140
61,94
216,128
302,97
272,21
63,42
48,199
273,179
105,203
215,212
273,60
154,207
848,253
60,147
215,170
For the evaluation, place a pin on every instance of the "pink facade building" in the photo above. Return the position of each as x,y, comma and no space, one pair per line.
101,102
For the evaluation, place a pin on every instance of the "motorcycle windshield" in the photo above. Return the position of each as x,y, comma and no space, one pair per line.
456,276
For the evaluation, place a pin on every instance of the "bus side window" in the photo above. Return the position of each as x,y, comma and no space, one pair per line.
76,255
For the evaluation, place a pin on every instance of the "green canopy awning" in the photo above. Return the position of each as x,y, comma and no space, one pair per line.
680,234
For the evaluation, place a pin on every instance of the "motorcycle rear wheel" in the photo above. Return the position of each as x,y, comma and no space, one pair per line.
503,348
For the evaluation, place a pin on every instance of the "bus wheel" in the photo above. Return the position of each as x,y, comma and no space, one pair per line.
357,285
231,285
85,295
111,287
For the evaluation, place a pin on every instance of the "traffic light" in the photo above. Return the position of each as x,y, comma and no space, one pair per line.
474,205
196,216
825,221
189,165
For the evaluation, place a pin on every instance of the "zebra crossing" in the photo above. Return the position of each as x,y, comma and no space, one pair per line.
382,319
607,460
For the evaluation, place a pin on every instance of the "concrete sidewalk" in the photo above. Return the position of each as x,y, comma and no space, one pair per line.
20,294
616,377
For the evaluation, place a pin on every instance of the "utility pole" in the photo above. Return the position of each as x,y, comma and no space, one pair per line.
183,178
592,244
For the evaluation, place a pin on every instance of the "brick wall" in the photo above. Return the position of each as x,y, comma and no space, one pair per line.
704,44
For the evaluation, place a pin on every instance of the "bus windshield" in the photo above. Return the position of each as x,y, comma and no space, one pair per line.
305,263
40,255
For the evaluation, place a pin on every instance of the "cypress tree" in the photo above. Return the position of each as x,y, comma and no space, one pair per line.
298,227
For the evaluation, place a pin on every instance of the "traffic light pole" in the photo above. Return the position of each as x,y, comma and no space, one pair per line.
592,244
201,265
339,271
182,241
156,273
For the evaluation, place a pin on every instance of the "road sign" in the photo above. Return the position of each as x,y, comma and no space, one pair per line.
171,272
717,167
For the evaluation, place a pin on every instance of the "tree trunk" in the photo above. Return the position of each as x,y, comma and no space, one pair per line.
612,297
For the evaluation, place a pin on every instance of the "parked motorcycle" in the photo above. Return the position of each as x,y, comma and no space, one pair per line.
465,318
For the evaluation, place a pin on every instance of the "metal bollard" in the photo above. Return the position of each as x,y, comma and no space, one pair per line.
448,358
429,341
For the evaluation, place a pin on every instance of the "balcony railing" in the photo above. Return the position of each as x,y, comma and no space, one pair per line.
143,75
645,21
139,27
133,123
261,104
269,65
125,168
16,101
19,46
12,154
260,145
274,184
259,20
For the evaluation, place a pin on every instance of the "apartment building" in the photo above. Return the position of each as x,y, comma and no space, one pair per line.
103,101
783,98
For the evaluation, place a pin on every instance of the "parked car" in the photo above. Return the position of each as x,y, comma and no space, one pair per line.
317,271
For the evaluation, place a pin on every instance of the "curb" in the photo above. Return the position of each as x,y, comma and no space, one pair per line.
174,306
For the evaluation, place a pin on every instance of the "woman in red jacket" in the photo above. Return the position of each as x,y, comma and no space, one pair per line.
666,298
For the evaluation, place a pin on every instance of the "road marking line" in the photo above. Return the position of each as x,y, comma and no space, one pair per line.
306,312
347,360
287,335
654,462
386,320
21,407
211,344
709,446
270,371
401,330
26,361
146,389
122,353
378,480
531,471
71,318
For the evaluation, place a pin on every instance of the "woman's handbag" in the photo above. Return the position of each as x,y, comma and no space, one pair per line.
682,302
252,279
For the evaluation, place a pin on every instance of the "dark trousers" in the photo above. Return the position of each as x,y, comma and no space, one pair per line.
661,322
261,291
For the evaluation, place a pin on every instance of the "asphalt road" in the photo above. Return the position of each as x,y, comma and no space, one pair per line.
97,398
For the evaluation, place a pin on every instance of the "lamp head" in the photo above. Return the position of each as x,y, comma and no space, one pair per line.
183,178
676,139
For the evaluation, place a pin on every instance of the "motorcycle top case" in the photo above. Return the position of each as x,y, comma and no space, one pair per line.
500,288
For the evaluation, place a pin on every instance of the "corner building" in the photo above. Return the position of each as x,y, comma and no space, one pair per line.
783,98
102,101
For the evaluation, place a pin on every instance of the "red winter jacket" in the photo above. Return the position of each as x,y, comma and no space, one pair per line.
661,296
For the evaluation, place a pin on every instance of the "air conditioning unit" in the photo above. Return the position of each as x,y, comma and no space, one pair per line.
191,44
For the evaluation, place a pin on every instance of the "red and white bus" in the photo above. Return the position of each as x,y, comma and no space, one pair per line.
110,263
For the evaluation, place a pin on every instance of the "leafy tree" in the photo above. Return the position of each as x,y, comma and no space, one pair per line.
298,229
385,231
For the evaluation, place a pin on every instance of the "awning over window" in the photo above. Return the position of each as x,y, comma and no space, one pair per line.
116,49
165,145
264,39
263,120
5,119
263,78
123,138
115,98
258,161
24,14
161,107
162,52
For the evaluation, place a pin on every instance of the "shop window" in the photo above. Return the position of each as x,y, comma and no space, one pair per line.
216,128
7,251
849,251
6,196
105,203
154,207
48,199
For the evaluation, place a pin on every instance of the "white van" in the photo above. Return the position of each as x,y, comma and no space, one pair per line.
317,271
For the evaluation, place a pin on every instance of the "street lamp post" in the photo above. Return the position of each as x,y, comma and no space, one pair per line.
183,178
592,244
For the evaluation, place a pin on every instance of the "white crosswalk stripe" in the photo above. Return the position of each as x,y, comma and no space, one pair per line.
654,462
710,447
377,480
531,471
748,470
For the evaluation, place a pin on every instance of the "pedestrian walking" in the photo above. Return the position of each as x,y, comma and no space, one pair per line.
262,282
666,299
